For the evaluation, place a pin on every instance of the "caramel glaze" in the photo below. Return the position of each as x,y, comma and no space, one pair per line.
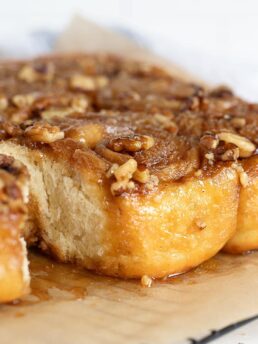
56,282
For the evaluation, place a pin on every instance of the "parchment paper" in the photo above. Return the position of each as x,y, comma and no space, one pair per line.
221,292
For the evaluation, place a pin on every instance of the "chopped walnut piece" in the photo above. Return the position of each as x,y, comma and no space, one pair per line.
131,144
142,176
51,113
28,74
244,179
126,171
246,147
79,104
200,224
90,134
146,281
45,133
198,173
88,83
82,82
117,188
101,81
238,122
165,122
41,72
111,171
210,157
3,102
230,154
209,141
243,176
23,100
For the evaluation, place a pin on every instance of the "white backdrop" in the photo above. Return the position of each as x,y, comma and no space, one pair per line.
215,39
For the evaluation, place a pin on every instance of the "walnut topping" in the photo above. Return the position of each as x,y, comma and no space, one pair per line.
126,170
127,173
238,122
230,154
79,104
117,188
28,74
111,171
131,144
101,81
51,113
165,122
89,134
200,224
209,141
46,133
198,173
146,281
39,72
210,157
246,147
88,83
244,179
243,176
142,175
23,100
3,102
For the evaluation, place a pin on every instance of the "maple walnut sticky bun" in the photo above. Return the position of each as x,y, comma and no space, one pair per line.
14,274
125,215
125,198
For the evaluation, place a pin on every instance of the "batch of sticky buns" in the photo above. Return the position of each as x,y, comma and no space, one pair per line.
118,167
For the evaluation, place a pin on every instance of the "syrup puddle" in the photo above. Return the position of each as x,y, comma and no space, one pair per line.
56,282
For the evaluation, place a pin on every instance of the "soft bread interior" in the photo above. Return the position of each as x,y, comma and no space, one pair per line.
69,214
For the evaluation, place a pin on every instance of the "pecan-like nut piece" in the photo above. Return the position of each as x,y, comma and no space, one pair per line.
142,175
23,100
52,113
79,104
28,74
88,83
238,122
126,170
210,157
31,74
165,122
246,147
45,133
230,154
89,134
131,143
3,102
117,188
209,141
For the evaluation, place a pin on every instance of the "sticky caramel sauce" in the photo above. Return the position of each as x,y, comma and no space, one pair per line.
55,282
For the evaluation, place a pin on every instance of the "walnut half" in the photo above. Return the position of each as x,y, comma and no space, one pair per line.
46,133
246,147
133,143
